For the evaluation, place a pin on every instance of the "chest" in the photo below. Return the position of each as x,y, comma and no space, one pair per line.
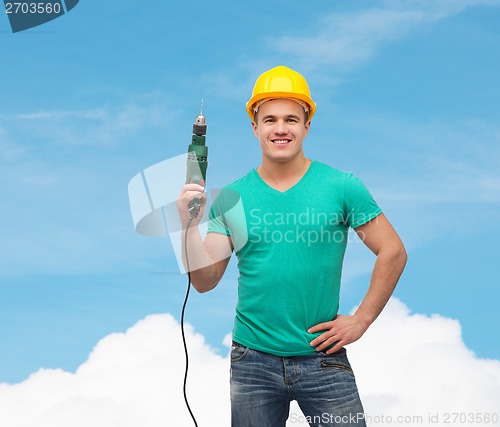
286,220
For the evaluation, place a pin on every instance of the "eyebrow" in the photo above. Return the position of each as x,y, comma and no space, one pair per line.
289,116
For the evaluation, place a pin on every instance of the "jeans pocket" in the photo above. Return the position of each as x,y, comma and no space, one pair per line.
337,360
333,364
238,352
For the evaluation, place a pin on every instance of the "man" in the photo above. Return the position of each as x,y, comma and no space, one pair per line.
287,221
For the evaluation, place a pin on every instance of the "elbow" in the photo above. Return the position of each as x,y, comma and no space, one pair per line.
401,256
395,254
203,283
201,289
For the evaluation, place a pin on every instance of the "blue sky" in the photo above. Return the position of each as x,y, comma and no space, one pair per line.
407,95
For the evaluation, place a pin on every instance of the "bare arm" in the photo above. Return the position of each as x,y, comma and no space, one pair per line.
207,259
381,238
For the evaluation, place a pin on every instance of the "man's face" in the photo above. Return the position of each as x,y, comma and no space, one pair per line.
280,129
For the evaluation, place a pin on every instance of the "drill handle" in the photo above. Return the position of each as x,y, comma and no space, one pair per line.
195,204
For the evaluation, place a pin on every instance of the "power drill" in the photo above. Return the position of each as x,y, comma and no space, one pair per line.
197,160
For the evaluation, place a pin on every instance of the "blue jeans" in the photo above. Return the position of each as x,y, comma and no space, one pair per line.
263,385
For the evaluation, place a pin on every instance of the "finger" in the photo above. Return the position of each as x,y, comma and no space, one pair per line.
190,195
194,186
184,204
320,327
335,348
191,187
197,194
327,336
327,343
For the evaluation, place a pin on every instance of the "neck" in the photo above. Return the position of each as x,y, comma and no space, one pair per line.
283,174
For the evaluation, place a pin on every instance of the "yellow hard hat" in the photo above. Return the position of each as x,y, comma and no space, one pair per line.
281,82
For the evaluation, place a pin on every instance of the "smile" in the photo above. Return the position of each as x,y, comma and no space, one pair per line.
280,141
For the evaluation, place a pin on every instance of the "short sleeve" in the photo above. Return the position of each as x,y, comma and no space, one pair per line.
216,220
359,205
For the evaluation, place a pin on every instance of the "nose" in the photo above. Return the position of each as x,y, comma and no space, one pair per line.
280,127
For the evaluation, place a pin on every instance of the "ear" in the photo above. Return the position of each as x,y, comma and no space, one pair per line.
254,128
307,126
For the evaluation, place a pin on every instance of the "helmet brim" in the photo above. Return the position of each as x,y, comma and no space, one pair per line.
273,95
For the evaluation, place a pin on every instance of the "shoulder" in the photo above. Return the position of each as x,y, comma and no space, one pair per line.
329,173
231,192
332,172
241,182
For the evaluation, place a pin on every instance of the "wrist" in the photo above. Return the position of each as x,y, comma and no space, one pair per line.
364,318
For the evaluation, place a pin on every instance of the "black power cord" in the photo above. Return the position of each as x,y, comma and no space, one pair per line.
182,323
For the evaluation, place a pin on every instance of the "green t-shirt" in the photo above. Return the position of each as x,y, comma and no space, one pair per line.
290,247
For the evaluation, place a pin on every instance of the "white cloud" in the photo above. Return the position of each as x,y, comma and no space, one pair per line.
95,126
438,8
406,365
8,151
130,379
349,39
410,364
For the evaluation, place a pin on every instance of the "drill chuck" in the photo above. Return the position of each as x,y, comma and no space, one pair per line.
200,127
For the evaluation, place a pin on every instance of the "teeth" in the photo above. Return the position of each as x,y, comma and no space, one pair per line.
280,141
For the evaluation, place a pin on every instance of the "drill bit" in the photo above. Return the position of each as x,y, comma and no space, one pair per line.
200,120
